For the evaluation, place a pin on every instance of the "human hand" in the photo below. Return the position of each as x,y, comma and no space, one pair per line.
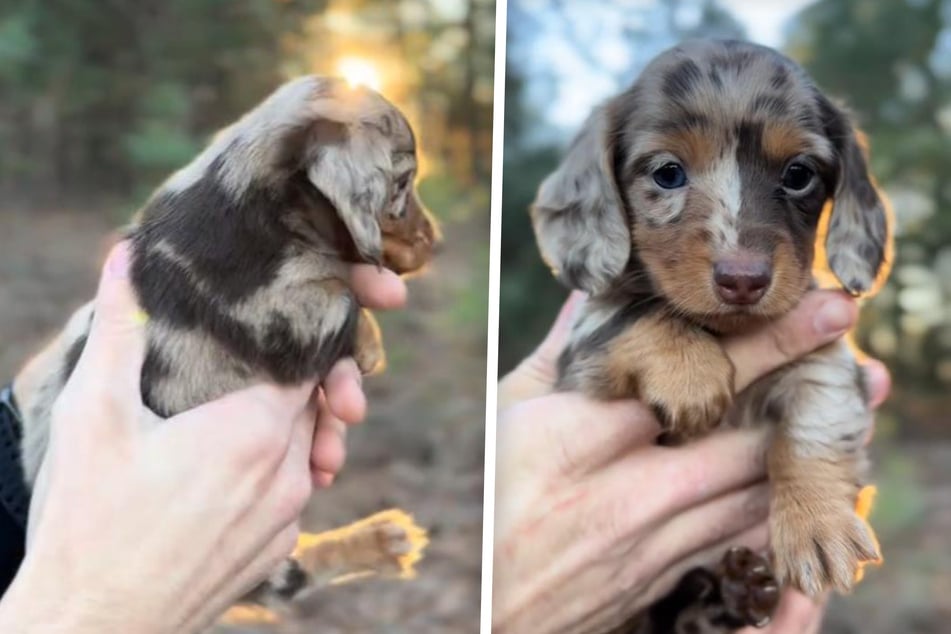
595,521
341,401
149,526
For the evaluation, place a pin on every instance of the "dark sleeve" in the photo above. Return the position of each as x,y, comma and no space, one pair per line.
14,497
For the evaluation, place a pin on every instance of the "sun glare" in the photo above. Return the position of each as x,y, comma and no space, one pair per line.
359,72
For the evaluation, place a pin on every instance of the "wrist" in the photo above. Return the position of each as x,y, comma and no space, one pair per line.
36,604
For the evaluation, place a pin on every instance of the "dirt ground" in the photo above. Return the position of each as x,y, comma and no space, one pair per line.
421,449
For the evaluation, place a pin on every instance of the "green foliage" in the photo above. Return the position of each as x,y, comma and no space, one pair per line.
17,43
460,211
105,97
899,503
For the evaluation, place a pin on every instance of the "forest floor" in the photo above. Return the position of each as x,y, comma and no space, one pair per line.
422,446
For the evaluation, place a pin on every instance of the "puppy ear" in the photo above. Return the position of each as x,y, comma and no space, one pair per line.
580,224
351,168
858,241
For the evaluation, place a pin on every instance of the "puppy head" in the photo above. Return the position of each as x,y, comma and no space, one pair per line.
360,153
350,145
708,177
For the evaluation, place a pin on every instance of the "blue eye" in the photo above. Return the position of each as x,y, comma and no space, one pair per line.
670,176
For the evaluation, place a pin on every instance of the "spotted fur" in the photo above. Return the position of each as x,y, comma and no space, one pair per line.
240,259
734,116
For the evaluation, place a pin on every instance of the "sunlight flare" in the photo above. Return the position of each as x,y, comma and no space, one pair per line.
359,72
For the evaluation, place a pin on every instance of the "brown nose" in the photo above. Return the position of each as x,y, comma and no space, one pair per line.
742,279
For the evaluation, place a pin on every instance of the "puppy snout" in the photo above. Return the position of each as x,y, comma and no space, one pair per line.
742,280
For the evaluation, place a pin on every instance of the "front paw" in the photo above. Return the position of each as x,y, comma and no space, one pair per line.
368,351
692,401
819,546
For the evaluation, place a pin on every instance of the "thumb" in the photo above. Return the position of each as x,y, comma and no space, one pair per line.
115,350
820,318
537,373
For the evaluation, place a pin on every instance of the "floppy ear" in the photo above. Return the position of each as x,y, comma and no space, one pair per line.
579,221
350,165
858,240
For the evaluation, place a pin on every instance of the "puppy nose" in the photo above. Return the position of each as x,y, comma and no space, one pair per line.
743,279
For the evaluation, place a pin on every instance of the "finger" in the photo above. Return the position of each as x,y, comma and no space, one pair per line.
706,525
820,318
878,380
576,434
329,450
680,478
344,391
262,409
254,570
301,444
536,374
289,491
115,349
378,288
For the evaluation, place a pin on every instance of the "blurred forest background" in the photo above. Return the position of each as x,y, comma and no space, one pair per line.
99,101
891,62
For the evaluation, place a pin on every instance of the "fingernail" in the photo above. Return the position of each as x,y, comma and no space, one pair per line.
118,265
834,317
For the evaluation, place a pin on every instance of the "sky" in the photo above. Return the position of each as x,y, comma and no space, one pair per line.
576,57
764,19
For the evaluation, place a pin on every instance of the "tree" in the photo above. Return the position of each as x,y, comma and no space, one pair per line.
901,99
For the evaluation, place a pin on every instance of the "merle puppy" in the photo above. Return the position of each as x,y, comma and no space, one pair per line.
689,207
240,259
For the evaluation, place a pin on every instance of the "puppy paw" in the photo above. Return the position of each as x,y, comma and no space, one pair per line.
370,360
821,550
386,544
690,400
368,352
678,369
748,589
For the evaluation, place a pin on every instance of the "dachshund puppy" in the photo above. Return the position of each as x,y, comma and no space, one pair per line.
240,259
688,207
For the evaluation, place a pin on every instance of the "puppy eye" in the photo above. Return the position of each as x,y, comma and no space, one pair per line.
797,177
670,176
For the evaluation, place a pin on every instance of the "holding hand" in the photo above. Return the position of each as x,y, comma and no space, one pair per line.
148,525
596,522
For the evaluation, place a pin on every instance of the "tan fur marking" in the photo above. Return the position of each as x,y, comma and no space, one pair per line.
695,146
783,140
679,259
368,349
408,242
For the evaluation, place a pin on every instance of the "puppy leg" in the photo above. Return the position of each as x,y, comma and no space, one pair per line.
386,544
368,351
817,466
677,368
